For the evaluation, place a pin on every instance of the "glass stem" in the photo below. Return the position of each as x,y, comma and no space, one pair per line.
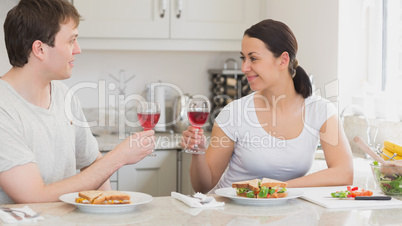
196,133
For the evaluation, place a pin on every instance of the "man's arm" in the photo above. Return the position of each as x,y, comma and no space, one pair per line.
24,183
105,186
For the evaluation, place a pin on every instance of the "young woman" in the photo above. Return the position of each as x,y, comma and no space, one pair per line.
274,131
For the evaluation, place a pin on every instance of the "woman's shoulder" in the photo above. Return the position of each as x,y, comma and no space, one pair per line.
317,101
243,100
319,108
236,107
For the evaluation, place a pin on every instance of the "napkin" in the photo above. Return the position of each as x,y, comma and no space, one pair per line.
7,218
194,202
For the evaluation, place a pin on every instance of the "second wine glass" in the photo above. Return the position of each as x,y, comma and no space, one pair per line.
198,110
148,114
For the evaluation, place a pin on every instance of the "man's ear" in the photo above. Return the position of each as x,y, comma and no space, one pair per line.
284,60
38,49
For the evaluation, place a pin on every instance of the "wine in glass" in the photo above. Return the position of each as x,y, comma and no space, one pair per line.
198,110
148,114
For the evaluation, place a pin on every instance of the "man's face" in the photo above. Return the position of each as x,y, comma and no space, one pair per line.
60,58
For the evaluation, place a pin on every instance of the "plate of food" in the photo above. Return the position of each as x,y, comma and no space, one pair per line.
106,201
259,192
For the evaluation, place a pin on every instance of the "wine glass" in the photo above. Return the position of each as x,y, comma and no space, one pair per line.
198,109
148,114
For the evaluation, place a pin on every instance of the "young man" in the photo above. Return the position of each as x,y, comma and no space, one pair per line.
40,147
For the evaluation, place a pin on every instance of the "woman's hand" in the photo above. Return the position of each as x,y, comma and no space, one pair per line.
193,136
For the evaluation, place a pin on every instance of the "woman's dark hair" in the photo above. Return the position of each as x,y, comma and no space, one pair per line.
278,38
33,20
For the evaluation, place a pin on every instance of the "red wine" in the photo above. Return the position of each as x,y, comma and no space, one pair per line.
197,119
148,120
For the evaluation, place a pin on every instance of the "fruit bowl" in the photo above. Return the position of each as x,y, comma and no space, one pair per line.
388,178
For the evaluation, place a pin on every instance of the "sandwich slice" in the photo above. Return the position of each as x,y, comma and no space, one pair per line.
103,197
265,188
271,188
248,188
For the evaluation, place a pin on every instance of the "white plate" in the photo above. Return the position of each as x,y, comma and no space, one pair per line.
231,193
137,198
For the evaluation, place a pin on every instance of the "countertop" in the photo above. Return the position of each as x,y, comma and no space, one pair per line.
168,211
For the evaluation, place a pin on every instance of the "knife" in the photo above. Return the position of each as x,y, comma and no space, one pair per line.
384,198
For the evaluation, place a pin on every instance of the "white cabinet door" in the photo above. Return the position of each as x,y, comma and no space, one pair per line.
211,19
206,25
153,175
123,18
186,187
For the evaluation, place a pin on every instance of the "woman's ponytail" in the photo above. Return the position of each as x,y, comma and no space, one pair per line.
302,82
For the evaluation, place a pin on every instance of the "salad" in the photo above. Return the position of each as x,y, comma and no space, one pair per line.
389,183
351,192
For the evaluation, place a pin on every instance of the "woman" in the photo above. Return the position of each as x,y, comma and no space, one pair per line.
274,131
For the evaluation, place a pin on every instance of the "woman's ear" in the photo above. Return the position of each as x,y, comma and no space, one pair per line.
38,49
284,60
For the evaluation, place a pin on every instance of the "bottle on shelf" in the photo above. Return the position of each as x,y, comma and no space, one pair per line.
218,79
218,90
231,82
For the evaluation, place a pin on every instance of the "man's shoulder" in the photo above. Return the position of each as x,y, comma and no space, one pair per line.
6,95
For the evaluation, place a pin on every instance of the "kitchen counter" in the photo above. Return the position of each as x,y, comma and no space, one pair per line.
168,211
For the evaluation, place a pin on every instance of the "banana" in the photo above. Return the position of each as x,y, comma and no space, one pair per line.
392,147
385,153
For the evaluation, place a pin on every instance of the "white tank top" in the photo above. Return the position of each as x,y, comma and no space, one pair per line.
257,154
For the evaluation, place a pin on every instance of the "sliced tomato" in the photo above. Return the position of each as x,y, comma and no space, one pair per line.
362,192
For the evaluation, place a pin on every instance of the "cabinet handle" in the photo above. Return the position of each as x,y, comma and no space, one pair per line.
179,8
163,5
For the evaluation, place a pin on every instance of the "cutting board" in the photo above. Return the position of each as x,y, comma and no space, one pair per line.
322,196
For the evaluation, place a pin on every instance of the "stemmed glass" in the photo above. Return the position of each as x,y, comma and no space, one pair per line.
148,114
198,109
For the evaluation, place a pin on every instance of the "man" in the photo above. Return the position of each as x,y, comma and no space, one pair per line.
40,147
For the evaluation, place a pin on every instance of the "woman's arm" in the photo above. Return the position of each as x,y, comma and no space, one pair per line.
206,170
338,156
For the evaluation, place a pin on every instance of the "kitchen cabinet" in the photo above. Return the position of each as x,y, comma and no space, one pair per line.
166,24
154,175
122,19
186,187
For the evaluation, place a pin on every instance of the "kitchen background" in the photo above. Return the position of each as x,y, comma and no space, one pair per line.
314,22
339,44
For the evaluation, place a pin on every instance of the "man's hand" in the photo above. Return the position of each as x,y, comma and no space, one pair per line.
136,147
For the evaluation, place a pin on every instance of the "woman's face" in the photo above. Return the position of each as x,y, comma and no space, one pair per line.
259,64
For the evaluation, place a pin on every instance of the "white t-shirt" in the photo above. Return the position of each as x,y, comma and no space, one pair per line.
57,144
257,154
